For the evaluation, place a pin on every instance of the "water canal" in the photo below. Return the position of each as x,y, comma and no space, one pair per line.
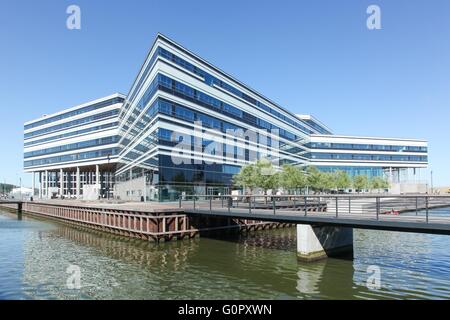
35,255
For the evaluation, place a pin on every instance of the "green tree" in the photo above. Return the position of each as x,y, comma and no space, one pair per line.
326,181
375,183
247,177
261,174
292,178
266,176
313,178
378,183
360,182
342,180
385,184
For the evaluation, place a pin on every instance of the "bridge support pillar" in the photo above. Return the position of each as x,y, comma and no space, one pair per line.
319,242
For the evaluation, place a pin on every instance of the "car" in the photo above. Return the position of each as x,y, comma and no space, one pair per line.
448,190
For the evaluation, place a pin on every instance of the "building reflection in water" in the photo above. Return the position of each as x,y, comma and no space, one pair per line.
260,265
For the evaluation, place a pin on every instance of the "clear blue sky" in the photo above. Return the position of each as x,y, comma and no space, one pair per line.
314,57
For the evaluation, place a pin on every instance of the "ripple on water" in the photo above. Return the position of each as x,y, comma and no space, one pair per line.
35,255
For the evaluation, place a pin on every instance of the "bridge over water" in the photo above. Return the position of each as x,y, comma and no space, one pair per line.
14,203
325,223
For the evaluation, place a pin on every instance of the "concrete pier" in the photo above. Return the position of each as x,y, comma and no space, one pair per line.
319,242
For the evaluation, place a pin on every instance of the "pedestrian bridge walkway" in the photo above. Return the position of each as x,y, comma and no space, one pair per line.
418,213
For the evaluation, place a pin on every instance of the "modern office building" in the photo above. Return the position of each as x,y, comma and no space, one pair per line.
73,153
187,126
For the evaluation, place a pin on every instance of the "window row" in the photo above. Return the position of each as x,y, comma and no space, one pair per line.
73,146
71,134
367,157
72,157
374,147
72,123
211,80
174,87
75,112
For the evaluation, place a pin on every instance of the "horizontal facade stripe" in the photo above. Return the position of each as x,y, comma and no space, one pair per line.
73,113
72,146
60,134
76,107
74,164
47,127
366,140
74,123
79,135
191,125
292,119
77,139
96,153
73,152
171,46
371,152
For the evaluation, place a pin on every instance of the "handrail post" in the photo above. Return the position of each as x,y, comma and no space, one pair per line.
378,207
349,204
306,206
337,210
426,206
180,201
210,204
417,206
273,204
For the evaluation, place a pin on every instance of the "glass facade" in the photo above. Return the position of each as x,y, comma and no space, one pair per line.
367,157
371,147
187,126
162,114
71,134
72,146
77,157
80,135
73,123
72,113
308,127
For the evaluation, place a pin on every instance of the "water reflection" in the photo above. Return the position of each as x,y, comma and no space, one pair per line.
261,265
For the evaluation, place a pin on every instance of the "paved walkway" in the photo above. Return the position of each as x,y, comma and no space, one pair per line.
403,222
131,206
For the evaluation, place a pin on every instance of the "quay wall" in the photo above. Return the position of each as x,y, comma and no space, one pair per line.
165,225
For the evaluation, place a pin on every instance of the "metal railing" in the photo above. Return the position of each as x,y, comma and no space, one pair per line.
374,206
